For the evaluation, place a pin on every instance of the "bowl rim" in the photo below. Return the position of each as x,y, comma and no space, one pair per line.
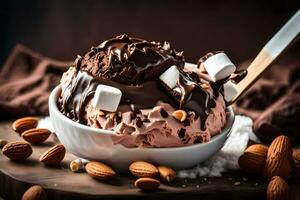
53,107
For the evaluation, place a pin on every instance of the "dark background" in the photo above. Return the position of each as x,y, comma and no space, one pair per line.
63,29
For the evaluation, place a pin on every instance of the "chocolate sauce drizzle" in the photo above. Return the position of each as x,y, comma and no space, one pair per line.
130,61
76,95
194,97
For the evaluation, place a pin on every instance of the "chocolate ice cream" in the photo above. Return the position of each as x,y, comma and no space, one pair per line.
144,115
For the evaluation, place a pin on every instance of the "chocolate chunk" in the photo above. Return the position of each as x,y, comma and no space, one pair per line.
163,113
187,141
146,120
237,76
197,141
186,123
134,109
181,132
139,122
118,117
132,116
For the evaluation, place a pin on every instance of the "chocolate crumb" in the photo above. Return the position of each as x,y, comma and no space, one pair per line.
187,141
146,120
132,116
134,109
139,122
197,141
186,123
181,132
118,117
163,113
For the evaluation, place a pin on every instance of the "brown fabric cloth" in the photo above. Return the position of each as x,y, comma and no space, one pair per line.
27,78
25,82
274,103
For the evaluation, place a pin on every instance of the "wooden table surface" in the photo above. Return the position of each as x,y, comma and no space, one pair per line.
61,183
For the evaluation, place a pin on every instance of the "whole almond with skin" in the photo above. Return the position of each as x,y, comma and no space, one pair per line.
279,159
25,123
278,189
254,158
166,174
296,155
99,170
147,184
143,169
54,155
36,135
17,150
35,192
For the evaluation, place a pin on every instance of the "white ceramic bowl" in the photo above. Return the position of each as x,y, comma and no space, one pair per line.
96,144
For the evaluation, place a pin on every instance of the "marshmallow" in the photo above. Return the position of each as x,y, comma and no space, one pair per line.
229,91
106,98
170,76
219,66
177,90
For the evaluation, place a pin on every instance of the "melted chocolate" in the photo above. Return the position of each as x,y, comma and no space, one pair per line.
76,95
194,97
130,60
237,76
163,113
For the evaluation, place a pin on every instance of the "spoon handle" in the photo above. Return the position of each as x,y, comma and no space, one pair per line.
280,41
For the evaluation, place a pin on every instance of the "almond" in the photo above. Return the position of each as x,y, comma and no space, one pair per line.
54,155
36,135
296,155
24,124
17,150
279,159
278,189
166,174
35,192
143,169
99,170
180,115
147,184
254,158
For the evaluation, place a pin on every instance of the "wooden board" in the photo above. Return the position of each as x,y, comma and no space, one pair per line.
61,183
